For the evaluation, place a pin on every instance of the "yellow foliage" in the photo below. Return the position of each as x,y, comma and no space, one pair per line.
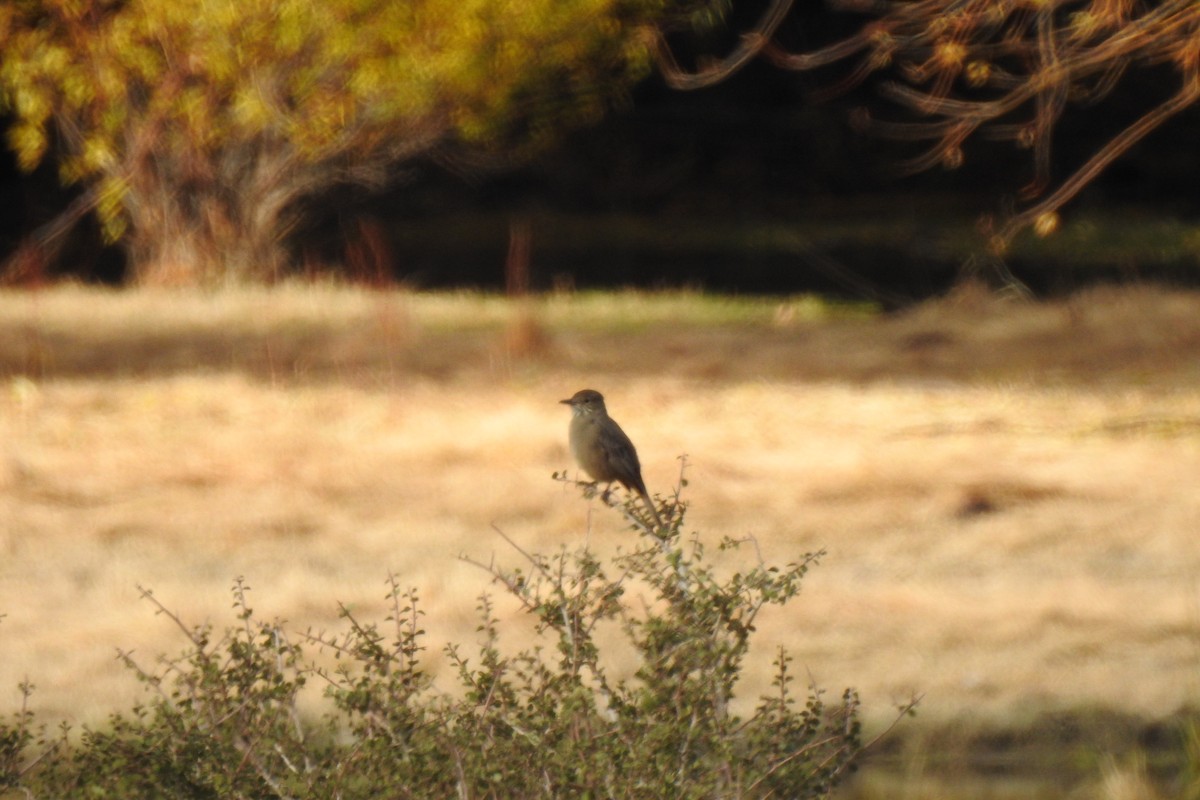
97,155
32,105
29,143
949,55
978,73
1084,25
313,72
1046,224
199,122
110,207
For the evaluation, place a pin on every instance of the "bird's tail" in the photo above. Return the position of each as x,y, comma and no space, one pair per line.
658,523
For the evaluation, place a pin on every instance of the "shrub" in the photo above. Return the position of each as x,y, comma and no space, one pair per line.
553,720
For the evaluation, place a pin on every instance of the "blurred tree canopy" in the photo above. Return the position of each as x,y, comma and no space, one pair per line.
203,131
197,125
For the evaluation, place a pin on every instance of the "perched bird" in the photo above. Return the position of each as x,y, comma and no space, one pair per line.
602,449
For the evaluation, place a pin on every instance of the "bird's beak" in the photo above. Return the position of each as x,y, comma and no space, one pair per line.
568,402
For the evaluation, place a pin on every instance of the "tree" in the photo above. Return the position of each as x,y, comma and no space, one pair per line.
1009,68
197,125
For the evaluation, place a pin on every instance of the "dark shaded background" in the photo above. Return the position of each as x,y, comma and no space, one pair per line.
677,188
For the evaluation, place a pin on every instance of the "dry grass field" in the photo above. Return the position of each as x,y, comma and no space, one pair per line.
1007,491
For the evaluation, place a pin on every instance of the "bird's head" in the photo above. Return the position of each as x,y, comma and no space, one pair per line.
586,401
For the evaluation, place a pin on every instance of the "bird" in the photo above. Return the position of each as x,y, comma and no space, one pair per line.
602,449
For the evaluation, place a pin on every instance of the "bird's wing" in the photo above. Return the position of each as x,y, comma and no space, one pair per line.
622,456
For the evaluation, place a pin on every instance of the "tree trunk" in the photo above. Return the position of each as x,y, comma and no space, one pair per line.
222,223
208,249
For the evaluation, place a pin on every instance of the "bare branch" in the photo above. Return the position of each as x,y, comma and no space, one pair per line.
1007,70
752,43
1116,147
